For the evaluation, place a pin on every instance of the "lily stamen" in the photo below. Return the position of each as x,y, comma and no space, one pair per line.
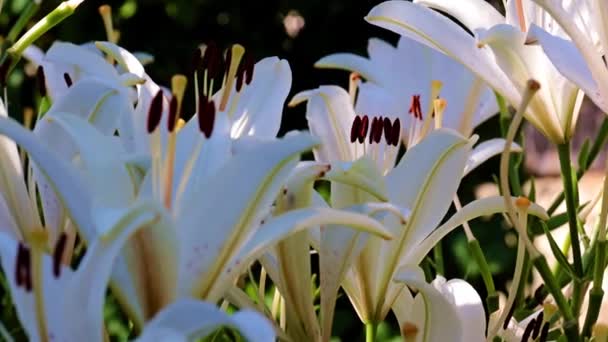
409,331
38,240
233,59
106,15
353,84
521,15
439,105
178,83
154,117
528,330
355,129
22,268
435,89
58,254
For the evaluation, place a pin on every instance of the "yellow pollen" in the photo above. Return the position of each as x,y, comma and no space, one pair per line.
436,86
38,239
180,124
440,105
106,15
549,309
522,202
178,85
237,54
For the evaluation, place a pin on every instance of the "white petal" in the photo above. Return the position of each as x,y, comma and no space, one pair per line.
486,150
242,202
568,60
439,32
471,13
191,319
437,319
480,207
469,307
260,105
65,181
330,116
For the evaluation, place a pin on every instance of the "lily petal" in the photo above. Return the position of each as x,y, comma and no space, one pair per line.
480,207
425,25
486,150
61,176
435,317
188,319
471,13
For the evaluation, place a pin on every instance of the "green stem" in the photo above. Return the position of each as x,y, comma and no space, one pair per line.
571,323
371,329
26,15
504,114
438,257
597,293
566,168
486,275
598,144
64,10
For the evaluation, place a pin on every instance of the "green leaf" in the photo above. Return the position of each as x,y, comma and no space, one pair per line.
559,256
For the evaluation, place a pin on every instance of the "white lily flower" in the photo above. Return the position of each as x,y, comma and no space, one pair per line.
578,54
49,297
195,263
424,182
395,74
497,54
441,311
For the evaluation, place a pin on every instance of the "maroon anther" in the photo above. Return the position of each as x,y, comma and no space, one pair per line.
249,67
355,129
228,59
155,112
197,60
58,254
363,129
40,80
388,130
206,116
544,333
528,330
372,129
211,60
395,132
538,326
23,266
377,132
415,108
67,79
172,119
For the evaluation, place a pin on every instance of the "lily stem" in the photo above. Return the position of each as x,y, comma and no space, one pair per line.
371,329
598,144
567,178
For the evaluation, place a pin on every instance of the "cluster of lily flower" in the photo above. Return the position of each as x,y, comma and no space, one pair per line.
173,217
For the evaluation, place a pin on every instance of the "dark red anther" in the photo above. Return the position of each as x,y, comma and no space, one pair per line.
395,132
388,130
355,129
378,131
372,129
40,81
58,254
211,60
206,116
240,77
544,333
364,128
173,115
538,326
505,325
249,66
197,59
67,79
19,276
227,60
155,112
528,330
415,107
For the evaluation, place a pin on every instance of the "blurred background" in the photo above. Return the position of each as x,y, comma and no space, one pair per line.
301,31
